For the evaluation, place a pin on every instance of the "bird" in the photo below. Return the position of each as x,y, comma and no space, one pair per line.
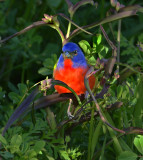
71,69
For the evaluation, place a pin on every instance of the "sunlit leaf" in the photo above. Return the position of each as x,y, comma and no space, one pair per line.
138,142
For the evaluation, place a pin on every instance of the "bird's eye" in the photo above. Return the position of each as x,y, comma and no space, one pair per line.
75,52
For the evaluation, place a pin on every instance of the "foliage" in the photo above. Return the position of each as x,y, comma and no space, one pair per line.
39,128
34,142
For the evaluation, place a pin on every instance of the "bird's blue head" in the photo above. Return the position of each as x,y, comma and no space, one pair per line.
73,52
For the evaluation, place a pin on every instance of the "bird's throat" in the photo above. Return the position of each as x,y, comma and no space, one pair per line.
68,63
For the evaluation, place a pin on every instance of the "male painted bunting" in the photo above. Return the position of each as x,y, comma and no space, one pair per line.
71,69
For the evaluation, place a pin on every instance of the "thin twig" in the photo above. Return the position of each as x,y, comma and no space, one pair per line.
108,19
35,24
111,62
69,3
129,67
118,41
107,39
68,19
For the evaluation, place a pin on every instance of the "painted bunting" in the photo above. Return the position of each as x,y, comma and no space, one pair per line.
71,69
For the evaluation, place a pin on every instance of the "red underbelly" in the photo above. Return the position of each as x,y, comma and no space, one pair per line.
74,78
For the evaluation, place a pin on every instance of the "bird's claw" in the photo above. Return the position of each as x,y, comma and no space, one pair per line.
70,115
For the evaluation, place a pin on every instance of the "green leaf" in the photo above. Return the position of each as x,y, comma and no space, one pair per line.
3,140
100,55
67,139
48,63
95,137
124,94
64,154
85,46
139,106
59,140
50,158
45,71
24,147
12,87
138,142
103,147
119,91
97,40
39,145
106,49
101,52
92,60
14,97
51,119
6,155
22,88
124,145
16,141
31,153
127,155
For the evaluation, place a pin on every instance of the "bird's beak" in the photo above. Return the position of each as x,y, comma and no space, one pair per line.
67,55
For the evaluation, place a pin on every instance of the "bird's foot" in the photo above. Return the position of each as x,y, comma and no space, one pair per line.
68,111
70,115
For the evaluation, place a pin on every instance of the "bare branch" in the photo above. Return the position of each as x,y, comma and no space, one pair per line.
34,25
111,62
69,3
122,14
68,19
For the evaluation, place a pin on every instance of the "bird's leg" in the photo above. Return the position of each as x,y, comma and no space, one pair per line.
86,95
68,111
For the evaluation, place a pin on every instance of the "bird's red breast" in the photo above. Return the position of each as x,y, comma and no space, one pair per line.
73,77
